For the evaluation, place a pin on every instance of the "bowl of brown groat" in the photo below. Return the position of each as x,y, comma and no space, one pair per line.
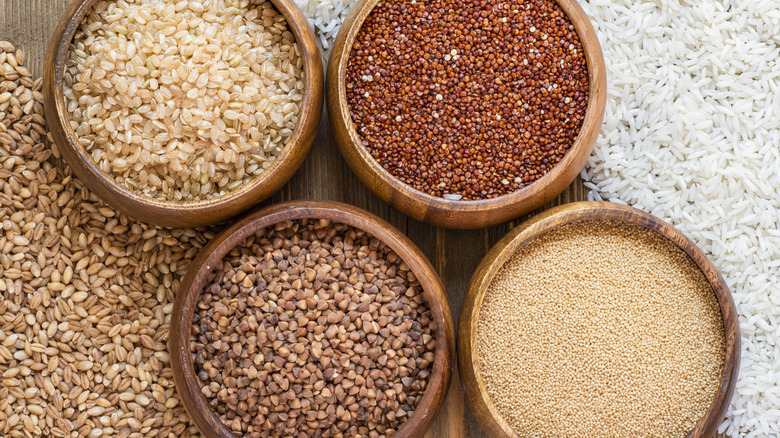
312,318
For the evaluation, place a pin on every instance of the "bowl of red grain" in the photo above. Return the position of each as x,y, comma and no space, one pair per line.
466,114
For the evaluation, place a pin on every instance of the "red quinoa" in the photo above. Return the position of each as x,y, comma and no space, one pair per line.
470,98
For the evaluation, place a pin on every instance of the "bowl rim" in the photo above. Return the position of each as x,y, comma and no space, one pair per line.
285,165
197,275
486,412
576,156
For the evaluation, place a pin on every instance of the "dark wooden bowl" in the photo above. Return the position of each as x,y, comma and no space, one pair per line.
187,382
194,213
484,410
463,214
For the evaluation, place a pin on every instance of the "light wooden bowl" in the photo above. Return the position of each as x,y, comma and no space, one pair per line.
194,213
484,410
463,214
187,382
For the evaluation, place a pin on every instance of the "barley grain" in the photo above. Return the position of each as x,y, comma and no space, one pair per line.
79,323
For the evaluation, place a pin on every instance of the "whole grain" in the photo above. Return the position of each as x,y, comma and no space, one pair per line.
85,294
313,328
467,100
184,101
600,329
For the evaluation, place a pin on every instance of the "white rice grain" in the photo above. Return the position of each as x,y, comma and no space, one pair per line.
325,17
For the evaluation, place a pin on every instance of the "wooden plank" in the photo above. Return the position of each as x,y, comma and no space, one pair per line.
323,175
29,24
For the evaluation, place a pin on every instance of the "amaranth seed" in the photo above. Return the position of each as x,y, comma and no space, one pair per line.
601,329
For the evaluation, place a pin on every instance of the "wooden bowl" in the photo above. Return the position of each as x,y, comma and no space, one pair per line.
484,410
187,382
463,214
193,213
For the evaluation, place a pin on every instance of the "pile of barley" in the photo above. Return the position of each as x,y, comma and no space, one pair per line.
85,294
184,101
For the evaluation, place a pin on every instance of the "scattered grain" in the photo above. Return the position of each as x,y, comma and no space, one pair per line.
82,335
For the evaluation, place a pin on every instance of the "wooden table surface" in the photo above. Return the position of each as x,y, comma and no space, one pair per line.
324,175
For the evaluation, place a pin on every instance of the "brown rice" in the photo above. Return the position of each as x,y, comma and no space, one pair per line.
183,101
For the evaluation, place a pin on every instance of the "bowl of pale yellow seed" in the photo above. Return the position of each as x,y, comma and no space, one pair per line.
597,319
183,113
312,319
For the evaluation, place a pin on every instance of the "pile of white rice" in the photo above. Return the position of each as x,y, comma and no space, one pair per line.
692,134
325,16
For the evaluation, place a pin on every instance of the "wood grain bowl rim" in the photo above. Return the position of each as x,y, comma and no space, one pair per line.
476,213
188,213
196,278
485,411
